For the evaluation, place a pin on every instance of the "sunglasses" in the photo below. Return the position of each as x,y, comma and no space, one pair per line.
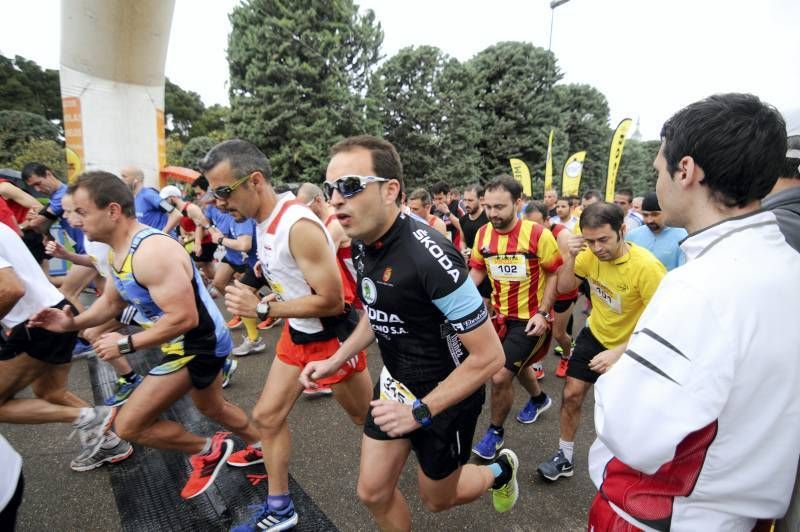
350,185
225,191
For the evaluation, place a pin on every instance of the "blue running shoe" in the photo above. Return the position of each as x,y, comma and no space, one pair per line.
491,442
228,370
124,390
82,349
266,520
531,411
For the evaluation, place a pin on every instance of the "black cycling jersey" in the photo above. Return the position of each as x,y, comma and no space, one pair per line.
418,296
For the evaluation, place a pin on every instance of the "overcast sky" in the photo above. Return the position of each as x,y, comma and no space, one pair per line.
649,58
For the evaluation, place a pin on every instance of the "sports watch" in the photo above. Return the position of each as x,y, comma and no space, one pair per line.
262,310
546,315
421,413
125,345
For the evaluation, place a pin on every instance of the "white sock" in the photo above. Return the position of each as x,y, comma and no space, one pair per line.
86,415
111,440
567,448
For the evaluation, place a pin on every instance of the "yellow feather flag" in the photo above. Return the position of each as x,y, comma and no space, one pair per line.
548,165
521,173
571,176
615,156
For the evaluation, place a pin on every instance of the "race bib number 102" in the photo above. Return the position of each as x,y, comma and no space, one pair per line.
507,268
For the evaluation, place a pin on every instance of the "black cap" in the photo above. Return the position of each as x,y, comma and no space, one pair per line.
650,203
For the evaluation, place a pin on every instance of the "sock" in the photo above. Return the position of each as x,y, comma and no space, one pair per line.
501,470
129,376
277,503
111,440
251,326
256,445
86,415
498,430
206,447
539,399
567,448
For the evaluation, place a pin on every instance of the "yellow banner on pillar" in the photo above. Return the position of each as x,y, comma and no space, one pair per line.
548,165
571,176
521,173
73,136
615,156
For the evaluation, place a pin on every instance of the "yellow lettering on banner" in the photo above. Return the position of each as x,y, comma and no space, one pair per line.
73,136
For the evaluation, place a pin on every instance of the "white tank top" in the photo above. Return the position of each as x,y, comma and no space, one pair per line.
277,262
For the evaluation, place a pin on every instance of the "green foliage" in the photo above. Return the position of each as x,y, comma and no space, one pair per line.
211,123
298,72
48,152
174,150
18,128
194,150
636,168
182,108
25,86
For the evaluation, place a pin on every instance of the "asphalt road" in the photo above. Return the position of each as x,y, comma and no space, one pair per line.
324,462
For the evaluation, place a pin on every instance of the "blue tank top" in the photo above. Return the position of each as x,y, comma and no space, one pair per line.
209,338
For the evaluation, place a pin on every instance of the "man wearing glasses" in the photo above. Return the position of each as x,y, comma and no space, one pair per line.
435,338
298,260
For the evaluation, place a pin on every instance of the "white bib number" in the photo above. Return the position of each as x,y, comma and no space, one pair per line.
507,268
394,390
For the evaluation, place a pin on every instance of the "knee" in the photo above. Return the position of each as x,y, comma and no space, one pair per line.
374,495
573,399
53,396
435,504
502,379
127,428
267,419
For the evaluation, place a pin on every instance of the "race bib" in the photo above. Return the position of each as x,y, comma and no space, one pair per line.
613,301
394,390
507,267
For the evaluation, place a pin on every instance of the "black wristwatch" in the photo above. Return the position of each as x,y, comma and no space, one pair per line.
126,345
219,240
545,314
262,310
421,413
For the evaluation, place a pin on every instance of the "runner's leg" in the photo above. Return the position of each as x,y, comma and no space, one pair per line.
15,375
212,404
382,462
462,486
354,395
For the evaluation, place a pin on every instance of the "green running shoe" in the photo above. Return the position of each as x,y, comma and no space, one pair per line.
505,497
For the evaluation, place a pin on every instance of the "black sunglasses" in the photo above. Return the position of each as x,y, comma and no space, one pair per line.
225,191
350,185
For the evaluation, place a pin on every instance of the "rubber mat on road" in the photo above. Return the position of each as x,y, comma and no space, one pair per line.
147,486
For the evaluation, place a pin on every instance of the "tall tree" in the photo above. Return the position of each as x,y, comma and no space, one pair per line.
298,73
20,127
183,108
636,168
25,86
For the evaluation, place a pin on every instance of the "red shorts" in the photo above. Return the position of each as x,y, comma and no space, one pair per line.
301,354
603,518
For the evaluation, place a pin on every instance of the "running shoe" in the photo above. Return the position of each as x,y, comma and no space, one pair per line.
235,322
538,370
491,442
266,520
92,432
319,391
82,349
558,466
561,370
246,457
123,390
531,411
228,370
269,323
248,347
88,460
558,350
205,467
505,497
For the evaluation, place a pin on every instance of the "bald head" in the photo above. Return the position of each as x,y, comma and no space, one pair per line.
309,192
133,177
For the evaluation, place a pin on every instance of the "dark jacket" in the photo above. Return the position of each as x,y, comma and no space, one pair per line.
786,206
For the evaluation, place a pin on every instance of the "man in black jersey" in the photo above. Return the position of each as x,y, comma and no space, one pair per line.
474,219
436,343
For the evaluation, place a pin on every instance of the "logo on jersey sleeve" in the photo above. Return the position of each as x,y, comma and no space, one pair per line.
369,291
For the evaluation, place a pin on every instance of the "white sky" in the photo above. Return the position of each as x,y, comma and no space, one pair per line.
649,58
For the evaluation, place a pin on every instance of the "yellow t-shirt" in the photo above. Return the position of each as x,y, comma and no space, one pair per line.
620,290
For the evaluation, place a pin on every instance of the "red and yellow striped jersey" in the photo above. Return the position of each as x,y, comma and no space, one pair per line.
516,263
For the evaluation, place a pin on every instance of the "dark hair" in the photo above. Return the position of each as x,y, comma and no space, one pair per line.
32,169
385,159
201,182
507,183
440,187
791,164
536,205
420,194
601,213
104,188
243,157
737,140
477,188
592,194
628,193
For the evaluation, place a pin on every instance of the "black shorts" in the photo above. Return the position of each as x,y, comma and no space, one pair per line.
586,348
563,306
34,241
203,369
250,279
584,289
238,268
207,252
520,349
445,445
485,288
41,344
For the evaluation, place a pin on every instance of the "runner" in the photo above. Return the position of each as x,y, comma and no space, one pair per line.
149,207
41,359
550,201
697,423
426,314
624,198
520,258
623,278
298,261
419,201
153,273
474,219
564,215
656,237
448,209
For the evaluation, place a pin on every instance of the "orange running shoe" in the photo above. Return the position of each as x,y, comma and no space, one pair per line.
205,467
246,457
235,322
269,323
538,369
561,370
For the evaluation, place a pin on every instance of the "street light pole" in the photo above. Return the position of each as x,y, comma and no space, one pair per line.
553,5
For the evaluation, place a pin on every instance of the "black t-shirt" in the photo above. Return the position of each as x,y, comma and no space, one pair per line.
418,295
470,227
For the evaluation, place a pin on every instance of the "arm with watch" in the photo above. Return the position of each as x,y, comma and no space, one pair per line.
541,321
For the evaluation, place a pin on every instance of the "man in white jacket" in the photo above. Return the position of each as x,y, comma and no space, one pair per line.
697,422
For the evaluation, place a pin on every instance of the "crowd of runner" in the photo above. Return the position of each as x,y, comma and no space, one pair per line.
690,290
